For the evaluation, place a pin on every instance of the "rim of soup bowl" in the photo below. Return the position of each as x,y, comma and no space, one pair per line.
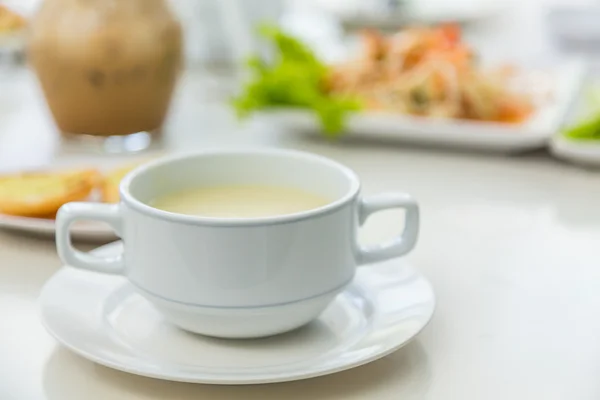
131,201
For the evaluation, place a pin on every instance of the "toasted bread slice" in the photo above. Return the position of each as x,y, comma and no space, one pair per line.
10,21
42,194
109,188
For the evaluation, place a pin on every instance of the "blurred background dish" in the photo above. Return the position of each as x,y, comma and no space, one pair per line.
12,34
11,22
39,194
578,141
431,72
81,231
575,27
582,153
29,201
392,14
421,85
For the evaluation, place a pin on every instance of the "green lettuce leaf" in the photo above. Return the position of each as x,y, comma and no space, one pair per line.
589,127
294,79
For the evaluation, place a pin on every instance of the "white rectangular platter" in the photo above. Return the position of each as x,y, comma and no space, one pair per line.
565,81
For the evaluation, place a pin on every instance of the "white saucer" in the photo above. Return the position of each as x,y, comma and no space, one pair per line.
585,153
81,230
101,318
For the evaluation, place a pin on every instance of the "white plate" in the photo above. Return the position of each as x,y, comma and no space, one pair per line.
101,318
380,14
532,134
12,42
84,230
577,152
575,24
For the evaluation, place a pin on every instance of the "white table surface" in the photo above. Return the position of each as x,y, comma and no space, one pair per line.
509,243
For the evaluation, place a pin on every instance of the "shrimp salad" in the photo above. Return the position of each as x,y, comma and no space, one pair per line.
428,71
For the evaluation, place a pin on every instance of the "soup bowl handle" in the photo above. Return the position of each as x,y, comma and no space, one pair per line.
71,212
399,245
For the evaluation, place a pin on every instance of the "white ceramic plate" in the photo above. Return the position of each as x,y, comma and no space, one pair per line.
13,42
380,14
84,230
395,128
575,24
577,152
81,230
101,318
16,40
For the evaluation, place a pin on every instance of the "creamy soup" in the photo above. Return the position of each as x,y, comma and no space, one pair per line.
237,201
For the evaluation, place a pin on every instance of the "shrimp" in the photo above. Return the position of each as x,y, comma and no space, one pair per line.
427,71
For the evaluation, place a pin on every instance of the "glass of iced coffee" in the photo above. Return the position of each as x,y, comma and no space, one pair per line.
107,68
